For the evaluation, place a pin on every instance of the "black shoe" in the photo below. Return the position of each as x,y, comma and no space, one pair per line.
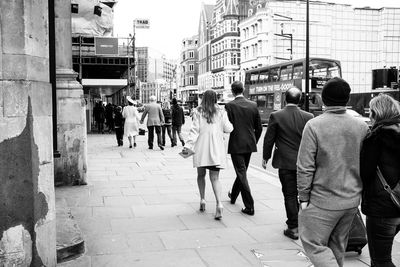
291,233
161,147
134,144
130,146
183,143
230,197
248,211
173,145
150,147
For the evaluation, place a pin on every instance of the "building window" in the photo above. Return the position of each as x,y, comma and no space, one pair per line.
191,80
191,54
191,67
233,59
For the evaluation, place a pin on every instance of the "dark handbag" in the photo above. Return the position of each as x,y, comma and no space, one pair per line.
394,193
142,131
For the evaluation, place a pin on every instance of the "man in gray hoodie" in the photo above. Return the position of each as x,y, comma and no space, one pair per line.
328,177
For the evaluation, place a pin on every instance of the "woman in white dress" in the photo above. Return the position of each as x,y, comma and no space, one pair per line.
131,126
206,140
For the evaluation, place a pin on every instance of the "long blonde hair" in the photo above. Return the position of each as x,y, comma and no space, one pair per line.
208,107
384,107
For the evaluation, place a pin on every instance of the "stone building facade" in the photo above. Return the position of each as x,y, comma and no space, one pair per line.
27,202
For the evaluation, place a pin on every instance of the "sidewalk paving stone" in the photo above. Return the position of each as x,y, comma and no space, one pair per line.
141,208
145,225
223,256
197,238
162,210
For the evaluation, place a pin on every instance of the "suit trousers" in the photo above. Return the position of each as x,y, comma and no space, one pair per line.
151,135
288,180
241,185
324,234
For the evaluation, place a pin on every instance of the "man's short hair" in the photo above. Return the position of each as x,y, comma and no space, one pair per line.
237,87
153,98
293,95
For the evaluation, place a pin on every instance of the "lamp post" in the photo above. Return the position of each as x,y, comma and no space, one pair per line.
307,89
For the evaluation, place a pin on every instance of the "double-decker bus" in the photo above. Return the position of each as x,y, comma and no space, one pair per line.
267,85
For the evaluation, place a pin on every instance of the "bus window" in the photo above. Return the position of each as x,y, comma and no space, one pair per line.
263,76
270,101
273,75
261,100
254,78
253,98
298,71
324,69
286,73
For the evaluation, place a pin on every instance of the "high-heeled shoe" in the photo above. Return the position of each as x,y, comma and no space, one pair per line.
218,212
202,205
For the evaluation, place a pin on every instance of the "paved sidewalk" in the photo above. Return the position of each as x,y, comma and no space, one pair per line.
140,208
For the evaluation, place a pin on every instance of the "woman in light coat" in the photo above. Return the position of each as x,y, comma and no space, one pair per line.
206,140
131,127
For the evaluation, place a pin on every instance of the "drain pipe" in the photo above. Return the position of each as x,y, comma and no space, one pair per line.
52,72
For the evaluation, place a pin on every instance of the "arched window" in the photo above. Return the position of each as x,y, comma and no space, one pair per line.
250,12
259,6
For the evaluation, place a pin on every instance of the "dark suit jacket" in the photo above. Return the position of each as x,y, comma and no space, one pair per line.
247,128
285,128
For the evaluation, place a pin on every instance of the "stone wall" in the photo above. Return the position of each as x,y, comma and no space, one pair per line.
27,205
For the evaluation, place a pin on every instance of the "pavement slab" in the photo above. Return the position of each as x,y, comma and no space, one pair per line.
197,238
140,208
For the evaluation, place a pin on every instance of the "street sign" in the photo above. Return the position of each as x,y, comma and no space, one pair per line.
106,46
142,23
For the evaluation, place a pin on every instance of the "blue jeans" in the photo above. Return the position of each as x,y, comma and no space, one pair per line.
324,234
288,180
380,233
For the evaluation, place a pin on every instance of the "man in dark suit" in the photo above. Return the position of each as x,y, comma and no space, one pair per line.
247,128
285,128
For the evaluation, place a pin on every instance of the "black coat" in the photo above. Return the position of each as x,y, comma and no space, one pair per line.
178,118
285,128
247,128
381,147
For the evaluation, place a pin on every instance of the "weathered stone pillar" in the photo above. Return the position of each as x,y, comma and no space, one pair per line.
27,204
71,168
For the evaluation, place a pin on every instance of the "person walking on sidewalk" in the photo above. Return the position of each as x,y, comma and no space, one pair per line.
154,121
166,127
99,116
119,125
381,148
285,128
328,177
244,116
206,139
131,115
178,119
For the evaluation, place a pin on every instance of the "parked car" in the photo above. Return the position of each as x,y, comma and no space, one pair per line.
359,116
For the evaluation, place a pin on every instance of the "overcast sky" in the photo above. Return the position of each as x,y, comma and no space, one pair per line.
173,20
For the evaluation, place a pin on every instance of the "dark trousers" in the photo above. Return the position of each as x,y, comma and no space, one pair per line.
166,128
176,130
100,126
288,180
119,133
241,185
380,233
151,135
